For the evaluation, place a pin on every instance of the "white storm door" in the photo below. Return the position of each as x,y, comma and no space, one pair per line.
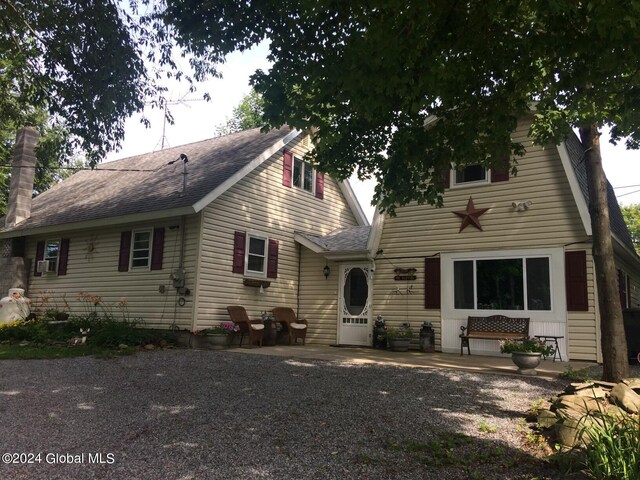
354,310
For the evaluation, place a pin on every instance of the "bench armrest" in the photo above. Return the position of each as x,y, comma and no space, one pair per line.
463,328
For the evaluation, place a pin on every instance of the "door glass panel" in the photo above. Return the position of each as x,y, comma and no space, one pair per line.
356,291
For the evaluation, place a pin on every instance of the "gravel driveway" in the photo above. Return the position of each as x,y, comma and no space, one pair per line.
182,414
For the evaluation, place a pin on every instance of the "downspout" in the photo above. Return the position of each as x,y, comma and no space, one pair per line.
299,269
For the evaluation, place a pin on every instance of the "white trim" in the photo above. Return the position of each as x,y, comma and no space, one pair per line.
48,259
103,222
375,235
352,201
304,165
240,174
196,288
581,203
474,183
265,258
133,242
305,242
558,312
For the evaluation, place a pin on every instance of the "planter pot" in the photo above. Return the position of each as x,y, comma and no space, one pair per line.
217,340
399,344
527,362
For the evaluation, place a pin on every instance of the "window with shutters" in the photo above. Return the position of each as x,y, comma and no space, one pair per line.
471,174
303,175
140,249
256,255
522,283
623,288
51,255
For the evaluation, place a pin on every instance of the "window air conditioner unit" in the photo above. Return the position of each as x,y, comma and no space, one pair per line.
44,266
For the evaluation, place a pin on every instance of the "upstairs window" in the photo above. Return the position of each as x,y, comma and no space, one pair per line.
303,174
471,174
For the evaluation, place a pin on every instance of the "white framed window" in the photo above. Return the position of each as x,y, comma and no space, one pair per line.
256,255
51,256
471,175
303,175
503,283
140,258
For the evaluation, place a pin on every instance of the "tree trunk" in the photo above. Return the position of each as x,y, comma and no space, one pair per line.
614,344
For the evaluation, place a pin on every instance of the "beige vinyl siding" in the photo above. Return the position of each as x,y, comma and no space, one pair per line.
634,279
97,273
259,203
319,297
420,231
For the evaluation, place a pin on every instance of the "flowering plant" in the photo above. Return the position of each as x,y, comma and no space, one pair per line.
399,332
222,328
526,345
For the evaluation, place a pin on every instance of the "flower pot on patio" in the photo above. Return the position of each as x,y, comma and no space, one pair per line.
527,362
217,340
399,344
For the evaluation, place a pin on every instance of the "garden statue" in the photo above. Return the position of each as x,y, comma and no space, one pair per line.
15,306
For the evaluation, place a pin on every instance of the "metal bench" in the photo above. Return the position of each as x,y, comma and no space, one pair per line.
494,327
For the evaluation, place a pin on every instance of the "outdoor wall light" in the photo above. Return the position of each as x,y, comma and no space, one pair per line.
326,271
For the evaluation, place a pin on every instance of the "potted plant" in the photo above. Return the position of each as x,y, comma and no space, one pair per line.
526,353
399,338
219,335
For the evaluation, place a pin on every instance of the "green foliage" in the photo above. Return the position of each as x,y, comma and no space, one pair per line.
399,332
247,115
88,65
486,428
612,452
631,214
578,374
527,345
369,77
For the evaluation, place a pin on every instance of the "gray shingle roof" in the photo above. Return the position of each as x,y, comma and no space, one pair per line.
349,239
98,194
616,220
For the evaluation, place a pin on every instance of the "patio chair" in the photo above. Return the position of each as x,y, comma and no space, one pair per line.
253,328
294,327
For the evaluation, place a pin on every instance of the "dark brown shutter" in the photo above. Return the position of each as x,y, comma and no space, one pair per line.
501,173
447,179
157,250
125,251
63,256
272,260
39,257
287,170
432,282
320,185
239,239
575,270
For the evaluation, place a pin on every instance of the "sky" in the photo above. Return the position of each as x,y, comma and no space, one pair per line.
196,119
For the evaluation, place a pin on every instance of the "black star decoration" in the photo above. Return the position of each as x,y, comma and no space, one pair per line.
470,216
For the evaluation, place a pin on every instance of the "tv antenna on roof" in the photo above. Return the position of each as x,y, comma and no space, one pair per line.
166,114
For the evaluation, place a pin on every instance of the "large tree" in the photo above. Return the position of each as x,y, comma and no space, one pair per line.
247,114
88,64
369,75
631,214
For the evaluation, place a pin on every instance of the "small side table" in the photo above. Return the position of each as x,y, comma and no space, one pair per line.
554,338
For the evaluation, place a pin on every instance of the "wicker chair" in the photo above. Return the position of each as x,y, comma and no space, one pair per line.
294,327
253,328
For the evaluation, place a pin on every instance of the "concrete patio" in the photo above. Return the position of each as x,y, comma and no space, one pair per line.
417,359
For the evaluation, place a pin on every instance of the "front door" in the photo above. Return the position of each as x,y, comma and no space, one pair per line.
354,312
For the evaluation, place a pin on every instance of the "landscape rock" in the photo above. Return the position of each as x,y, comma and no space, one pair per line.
579,403
624,396
547,419
149,346
122,346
